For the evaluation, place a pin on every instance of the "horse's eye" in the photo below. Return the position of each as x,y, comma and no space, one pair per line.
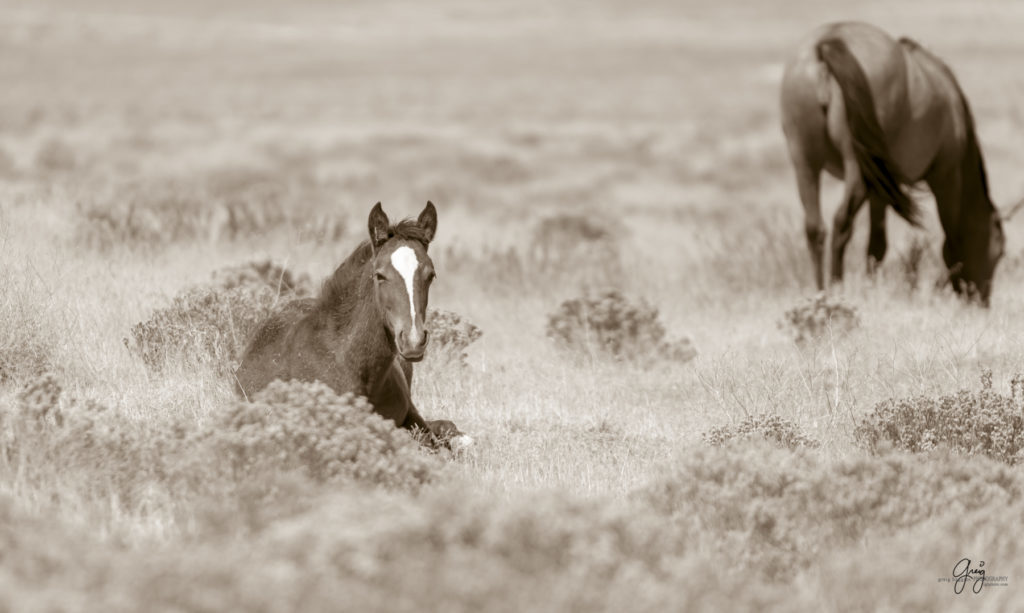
431,276
379,276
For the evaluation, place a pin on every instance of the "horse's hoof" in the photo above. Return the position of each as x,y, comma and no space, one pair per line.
461,442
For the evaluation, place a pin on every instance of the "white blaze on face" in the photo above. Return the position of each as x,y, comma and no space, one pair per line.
405,262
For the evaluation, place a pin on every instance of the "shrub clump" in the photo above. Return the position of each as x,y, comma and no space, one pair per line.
816,317
245,465
781,431
39,400
211,324
265,272
216,204
27,340
971,423
450,336
307,427
205,324
48,436
609,324
777,512
748,523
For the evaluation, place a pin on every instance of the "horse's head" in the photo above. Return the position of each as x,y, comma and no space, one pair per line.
981,253
402,273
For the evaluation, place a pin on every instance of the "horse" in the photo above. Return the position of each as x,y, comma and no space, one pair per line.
881,115
364,331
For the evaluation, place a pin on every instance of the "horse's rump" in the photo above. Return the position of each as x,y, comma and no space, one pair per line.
879,170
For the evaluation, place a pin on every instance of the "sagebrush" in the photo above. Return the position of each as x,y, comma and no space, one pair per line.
779,430
819,317
738,521
246,461
27,340
451,335
211,324
221,203
982,422
266,272
610,324
296,425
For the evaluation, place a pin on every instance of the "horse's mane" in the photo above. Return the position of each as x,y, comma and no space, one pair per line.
340,291
974,177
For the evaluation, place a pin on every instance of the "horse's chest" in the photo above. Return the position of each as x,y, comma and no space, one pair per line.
390,397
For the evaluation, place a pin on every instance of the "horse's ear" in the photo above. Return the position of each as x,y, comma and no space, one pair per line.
428,221
378,225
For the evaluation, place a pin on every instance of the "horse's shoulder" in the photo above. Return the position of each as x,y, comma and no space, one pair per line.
932,81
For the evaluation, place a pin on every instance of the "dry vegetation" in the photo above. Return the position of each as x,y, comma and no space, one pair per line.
666,417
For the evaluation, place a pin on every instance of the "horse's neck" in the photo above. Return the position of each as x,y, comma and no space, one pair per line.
363,349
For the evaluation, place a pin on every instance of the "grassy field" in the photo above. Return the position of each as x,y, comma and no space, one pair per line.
145,146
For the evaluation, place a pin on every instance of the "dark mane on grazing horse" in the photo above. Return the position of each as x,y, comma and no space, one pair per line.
338,291
975,177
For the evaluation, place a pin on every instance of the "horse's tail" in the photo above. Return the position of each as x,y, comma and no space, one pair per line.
877,167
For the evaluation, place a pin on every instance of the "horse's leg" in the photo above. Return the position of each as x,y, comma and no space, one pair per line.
413,421
808,183
945,184
441,432
877,243
854,195
392,400
442,429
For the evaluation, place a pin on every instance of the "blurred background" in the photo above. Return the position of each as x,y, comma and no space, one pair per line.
227,119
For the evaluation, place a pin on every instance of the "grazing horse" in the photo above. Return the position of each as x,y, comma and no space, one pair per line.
364,331
882,114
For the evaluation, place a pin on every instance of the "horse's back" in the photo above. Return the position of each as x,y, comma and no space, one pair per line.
277,325
910,101
937,121
267,356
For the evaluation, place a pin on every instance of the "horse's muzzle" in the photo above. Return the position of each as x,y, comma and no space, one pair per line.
411,353
412,356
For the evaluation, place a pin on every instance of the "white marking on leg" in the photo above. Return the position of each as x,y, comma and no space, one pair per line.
405,262
461,442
